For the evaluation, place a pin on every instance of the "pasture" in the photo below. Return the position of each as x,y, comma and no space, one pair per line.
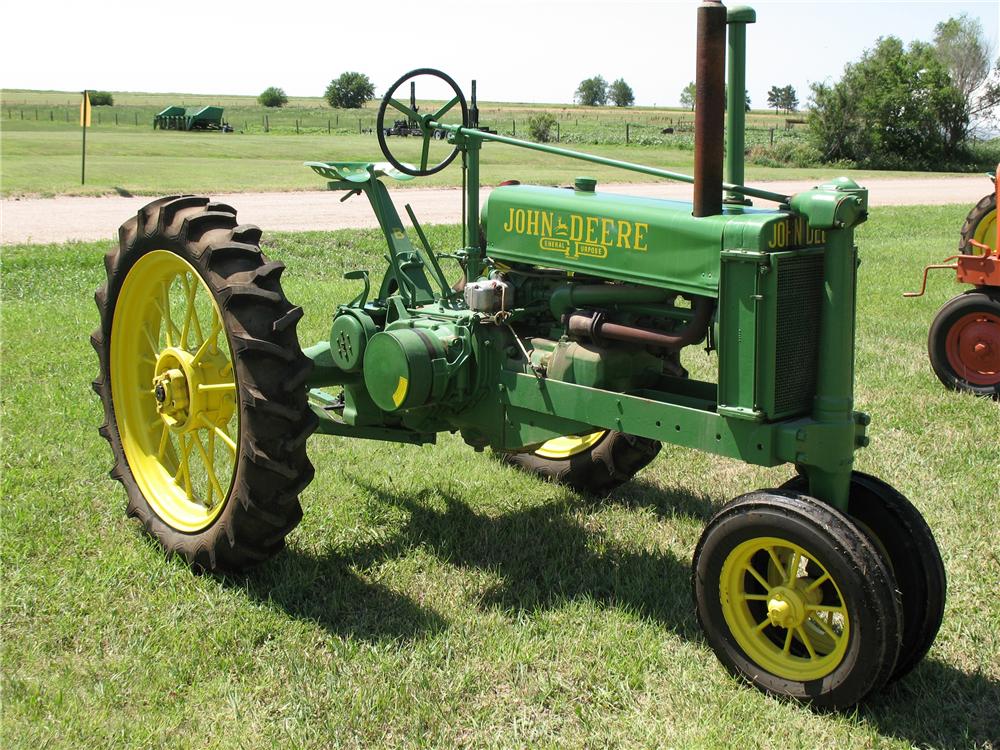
41,142
430,596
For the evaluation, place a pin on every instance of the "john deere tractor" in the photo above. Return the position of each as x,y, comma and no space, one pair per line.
559,348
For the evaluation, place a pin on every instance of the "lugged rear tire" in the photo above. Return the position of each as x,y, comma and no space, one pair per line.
979,225
239,392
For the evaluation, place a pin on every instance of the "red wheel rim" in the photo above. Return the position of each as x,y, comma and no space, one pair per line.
973,348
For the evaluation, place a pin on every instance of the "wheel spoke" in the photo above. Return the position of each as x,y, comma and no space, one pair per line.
804,637
184,467
164,305
217,387
818,582
189,311
759,577
441,112
825,626
777,562
209,462
762,625
152,344
838,609
756,597
793,568
788,642
203,349
164,442
404,109
223,435
424,153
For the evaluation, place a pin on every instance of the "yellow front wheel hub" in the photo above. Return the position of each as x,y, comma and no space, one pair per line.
174,390
784,608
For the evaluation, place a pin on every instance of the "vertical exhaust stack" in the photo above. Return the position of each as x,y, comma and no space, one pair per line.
709,112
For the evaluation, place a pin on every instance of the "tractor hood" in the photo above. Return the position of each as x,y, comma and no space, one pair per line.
640,240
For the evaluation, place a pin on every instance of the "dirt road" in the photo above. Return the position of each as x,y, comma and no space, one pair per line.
41,220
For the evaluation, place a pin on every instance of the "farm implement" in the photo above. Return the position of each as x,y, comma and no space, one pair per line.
559,347
964,340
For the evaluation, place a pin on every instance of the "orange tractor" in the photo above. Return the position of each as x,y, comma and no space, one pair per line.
964,340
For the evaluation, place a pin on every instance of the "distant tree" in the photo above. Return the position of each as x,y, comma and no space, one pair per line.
789,100
782,98
687,96
540,127
592,92
621,94
349,91
774,98
746,102
272,96
101,98
965,51
894,108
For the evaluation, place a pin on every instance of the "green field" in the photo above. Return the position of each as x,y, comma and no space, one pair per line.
432,597
41,143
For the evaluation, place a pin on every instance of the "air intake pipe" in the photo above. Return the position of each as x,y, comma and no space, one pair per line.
709,112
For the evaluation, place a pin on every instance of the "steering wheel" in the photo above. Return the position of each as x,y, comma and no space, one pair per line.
423,121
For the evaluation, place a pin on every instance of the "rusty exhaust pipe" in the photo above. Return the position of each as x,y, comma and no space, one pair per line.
710,108
593,326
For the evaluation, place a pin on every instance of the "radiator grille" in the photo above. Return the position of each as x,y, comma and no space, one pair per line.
800,296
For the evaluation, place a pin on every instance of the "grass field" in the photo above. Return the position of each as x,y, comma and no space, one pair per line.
433,598
41,144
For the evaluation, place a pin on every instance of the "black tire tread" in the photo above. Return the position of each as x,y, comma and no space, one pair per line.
850,543
275,421
986,204
984,298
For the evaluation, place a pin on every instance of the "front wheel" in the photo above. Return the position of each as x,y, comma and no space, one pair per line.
964,343
794,598
203,384
594,463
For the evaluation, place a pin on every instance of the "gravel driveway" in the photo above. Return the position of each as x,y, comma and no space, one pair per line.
41,220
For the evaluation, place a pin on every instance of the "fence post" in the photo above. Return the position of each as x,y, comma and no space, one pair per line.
52,116
514,127
328,126
359,126
772,136
267,124
296,126
337,119
558,134
137,119
627,139
116,118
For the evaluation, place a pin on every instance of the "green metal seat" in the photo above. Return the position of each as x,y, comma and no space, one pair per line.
356,171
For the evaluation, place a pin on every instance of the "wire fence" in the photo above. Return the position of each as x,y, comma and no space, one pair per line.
649,129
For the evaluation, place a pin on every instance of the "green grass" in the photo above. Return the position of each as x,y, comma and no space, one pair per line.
42,156
431,597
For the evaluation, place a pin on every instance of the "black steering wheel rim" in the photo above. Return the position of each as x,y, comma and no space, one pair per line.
426,134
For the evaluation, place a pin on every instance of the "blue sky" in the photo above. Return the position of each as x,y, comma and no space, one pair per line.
518,50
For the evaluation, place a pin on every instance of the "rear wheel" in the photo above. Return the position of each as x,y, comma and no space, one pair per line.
593,463
980,225
203,384
964,343
795,598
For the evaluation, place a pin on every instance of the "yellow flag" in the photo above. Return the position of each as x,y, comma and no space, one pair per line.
85,110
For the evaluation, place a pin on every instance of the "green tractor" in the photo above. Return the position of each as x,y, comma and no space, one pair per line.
558,349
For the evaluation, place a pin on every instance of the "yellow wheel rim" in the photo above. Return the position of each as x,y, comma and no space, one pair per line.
784,609
174,391
570,445
986,232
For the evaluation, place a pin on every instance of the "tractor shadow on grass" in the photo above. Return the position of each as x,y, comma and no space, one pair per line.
937,705
544,557
326,590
